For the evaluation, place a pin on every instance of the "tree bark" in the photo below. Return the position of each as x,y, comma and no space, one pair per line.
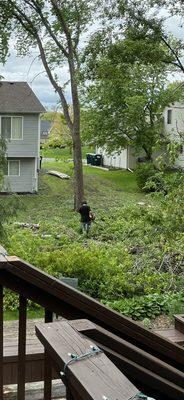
77,148
78,173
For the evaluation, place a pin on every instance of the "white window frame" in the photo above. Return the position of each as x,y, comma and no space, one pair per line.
9,168
12,116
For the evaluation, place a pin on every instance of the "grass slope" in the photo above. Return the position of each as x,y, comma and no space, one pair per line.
126,255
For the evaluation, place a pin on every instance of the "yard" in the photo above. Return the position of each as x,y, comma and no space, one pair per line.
129,262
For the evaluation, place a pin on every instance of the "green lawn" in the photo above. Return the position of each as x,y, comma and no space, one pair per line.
65,153
103,189
52,208
31,314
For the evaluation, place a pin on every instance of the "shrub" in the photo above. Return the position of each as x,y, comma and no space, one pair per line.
149,306
143,172
163,182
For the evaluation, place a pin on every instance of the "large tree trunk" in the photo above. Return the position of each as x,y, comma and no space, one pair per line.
78,173
77,148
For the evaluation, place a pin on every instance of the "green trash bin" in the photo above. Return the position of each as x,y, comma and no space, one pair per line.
98,160
90,158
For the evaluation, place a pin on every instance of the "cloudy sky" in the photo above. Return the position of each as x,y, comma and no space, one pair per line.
31,70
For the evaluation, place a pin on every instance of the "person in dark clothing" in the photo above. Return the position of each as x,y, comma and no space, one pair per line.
84,211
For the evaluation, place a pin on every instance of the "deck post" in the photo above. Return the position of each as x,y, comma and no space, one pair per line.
47,364
68,394
1,342
22,348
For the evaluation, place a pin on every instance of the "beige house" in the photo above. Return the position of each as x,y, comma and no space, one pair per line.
173,127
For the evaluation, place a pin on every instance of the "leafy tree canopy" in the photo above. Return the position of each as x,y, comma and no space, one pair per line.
59,132
125,104
55,28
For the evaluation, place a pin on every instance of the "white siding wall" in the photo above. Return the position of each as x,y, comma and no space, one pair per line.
116,160
176,126
127,159
28,179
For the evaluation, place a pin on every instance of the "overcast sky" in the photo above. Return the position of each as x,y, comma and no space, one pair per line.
31,70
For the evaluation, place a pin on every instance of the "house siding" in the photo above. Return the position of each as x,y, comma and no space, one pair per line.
176,127
27,181
28,146
115,159
127,158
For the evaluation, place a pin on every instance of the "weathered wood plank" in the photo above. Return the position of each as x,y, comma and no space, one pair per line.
149,383
171,334
92,377
157,373
22,348
83,305
179,322
47,364
3,255
130,351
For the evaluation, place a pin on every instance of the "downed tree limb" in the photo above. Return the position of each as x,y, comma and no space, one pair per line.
58,174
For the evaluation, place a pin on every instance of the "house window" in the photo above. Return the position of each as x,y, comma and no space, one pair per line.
12,168
11,128
169,116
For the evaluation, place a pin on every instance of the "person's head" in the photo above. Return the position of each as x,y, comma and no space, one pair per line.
84,203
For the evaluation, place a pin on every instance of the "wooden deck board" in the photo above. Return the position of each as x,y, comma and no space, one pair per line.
171,334
62,299
34,353
92,377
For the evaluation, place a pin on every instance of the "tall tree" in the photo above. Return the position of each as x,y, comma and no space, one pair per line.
125,104
55,28
148,22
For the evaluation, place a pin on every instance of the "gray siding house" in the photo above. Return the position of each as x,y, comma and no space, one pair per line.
20,127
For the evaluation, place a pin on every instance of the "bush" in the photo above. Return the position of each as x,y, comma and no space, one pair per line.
143,172
149,306
163,182
11,302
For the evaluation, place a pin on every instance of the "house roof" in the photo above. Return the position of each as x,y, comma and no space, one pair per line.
18,97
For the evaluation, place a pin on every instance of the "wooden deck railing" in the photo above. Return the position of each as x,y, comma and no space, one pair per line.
148,358
83,367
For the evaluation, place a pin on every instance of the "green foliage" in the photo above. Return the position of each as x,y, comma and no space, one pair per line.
163,182
11,302
131,115
155,183
135,247
59,132
149,306
9,206
144,171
